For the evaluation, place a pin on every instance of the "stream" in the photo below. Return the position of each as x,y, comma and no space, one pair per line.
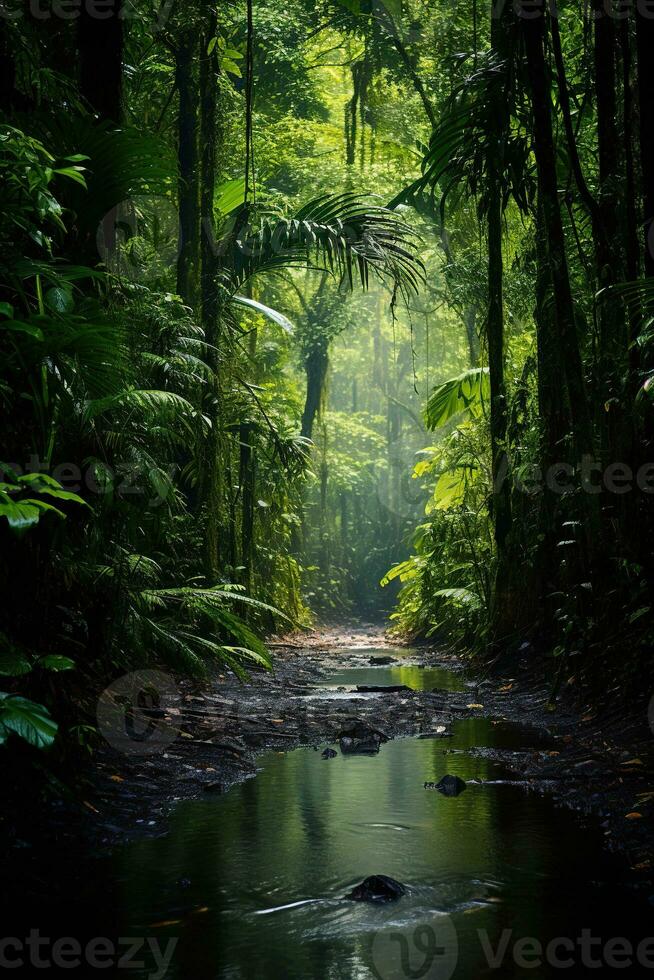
251,883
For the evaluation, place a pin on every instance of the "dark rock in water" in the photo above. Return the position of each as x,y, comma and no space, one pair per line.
360,738
381,689
381,661
213,787
329,754
448,786
377,888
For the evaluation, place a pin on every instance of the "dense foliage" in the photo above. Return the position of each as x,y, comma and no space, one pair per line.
300,299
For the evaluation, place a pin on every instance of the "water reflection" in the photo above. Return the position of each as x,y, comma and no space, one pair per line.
252,882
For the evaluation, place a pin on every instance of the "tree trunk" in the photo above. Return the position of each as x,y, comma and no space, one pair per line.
100,44
316,366
501,499
645,47
470,321
533,32
188,161
247,481
208,140
610,265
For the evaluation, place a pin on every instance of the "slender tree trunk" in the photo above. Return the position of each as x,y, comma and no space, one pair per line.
208,141
553,412
501,500
628,129
645,47
100,50
610,265
316,366
247,481
188,160
533,32
470,321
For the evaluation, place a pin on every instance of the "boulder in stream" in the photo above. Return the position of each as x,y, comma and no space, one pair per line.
377,888
448,785
360,738
382,661
329,754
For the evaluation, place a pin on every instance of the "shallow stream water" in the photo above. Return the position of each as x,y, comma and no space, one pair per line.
252,883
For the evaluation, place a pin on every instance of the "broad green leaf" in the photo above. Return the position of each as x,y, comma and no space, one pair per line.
21,326
230,195
73,173
29,720
56,663
13,663
19,515
451,488
467,392
59,300
405,570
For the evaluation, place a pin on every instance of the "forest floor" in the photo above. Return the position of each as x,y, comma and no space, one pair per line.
597,763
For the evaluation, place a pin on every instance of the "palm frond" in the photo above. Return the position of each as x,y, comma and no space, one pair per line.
341,234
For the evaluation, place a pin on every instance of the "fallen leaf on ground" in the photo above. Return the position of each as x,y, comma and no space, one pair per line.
116,779
633,816
474,706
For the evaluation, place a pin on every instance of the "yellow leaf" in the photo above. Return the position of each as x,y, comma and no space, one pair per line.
633,816
116,779
474,706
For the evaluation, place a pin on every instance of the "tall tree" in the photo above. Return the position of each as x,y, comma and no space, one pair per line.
497,137
186,52
100,49
645,47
